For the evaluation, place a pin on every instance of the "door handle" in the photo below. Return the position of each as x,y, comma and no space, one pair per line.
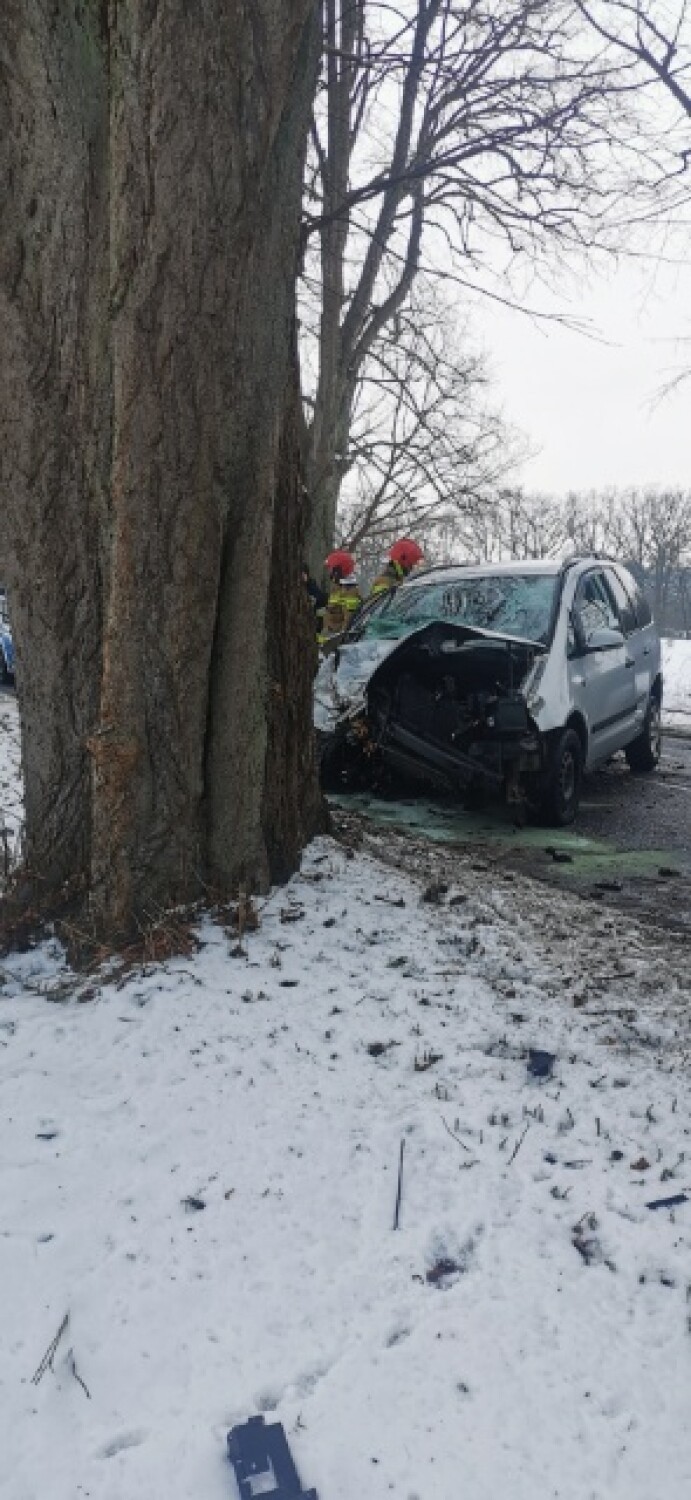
630,661
646,650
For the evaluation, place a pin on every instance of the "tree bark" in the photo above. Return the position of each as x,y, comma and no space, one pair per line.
55,396
147,384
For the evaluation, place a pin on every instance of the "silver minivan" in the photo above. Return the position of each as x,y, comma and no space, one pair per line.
511,678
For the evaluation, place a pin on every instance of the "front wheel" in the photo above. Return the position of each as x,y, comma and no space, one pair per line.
643,754
560,794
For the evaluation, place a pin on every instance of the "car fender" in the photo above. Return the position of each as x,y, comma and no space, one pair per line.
547,687
342,679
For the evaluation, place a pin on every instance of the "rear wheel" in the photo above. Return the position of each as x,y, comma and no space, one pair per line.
4,674
643,754
561,791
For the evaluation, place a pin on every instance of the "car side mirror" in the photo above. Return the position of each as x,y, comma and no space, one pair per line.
604,639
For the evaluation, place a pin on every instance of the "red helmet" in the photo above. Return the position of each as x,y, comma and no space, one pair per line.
340,562
406,553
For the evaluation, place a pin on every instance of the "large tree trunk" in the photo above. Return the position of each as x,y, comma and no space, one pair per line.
325,471
147,385
55,397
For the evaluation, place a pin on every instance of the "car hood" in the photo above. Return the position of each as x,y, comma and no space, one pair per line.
343,677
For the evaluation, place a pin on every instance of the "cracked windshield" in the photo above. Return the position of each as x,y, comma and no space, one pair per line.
519,604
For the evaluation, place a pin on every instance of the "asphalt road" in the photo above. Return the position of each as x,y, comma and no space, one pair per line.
630,848
643,812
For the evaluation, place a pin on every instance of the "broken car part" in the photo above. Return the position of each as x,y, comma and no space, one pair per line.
260,1455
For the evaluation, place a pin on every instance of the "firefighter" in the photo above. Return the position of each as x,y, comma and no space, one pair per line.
344,598
315,594
403,557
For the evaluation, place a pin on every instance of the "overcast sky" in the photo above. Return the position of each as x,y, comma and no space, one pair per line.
593,409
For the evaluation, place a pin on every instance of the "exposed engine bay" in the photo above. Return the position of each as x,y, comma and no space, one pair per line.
446,708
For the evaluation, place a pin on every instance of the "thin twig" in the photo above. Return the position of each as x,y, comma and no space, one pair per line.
400,1184
47,1361
518,1144
74,1371
453,1135
608,978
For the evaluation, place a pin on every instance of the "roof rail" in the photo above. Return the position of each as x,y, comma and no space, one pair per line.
442,568
566,562
576,557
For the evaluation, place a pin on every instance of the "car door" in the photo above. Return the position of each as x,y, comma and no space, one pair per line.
639,640
601,668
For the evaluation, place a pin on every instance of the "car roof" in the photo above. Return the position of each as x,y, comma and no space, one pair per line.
451,572
544,567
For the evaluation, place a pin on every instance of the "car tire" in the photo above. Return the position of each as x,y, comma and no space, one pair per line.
4,674
343,767
643,754
561,795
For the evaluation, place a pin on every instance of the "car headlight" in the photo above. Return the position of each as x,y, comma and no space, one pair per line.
531,686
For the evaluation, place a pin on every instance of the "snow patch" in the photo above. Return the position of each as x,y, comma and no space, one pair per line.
676,666
525,1330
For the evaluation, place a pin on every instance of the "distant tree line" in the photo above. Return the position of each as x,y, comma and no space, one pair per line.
650,529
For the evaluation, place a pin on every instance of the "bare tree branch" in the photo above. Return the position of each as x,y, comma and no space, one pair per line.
444,129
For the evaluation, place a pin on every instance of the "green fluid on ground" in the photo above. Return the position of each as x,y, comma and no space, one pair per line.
492,829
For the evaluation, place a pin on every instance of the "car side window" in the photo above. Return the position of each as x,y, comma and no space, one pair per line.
595,607
624,601
644,614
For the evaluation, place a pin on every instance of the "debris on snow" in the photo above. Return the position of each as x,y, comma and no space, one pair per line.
433,894
263,1463
540,1063
292,1295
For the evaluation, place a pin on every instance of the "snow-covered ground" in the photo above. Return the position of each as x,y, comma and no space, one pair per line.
199,1165
676,657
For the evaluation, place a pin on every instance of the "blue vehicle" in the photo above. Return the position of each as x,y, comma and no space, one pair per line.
6,646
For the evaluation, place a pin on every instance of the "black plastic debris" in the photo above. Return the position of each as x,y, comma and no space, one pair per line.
377,1049
672,1202
434,894
560,856
540,1064
260,1455
585,1241
441,1271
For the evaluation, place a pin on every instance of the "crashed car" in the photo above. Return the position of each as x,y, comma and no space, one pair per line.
509,680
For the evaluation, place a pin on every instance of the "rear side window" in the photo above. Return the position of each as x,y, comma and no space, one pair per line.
644,614
642,611
625,600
